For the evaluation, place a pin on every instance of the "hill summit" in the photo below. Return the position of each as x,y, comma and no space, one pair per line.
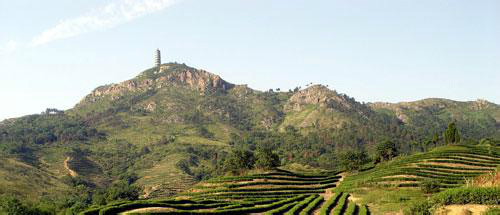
172,125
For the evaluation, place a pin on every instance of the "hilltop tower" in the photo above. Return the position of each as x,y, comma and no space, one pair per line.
157,58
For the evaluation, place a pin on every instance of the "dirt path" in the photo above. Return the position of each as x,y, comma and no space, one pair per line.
149,210
462,209
66,166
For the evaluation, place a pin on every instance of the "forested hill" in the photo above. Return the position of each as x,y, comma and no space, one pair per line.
171,126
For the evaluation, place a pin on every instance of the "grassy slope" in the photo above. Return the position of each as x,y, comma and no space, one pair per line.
385,189
275,192
17,177
130,129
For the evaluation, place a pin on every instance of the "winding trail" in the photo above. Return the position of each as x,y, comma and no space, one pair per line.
66,166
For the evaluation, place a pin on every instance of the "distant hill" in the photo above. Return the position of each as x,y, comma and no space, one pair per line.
167,127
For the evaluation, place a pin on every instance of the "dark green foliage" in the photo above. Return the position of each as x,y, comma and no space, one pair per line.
386,150
430,186
460,196
47,128
419,208
239,159
492,211
353,160
469,195
451,134
122,190
11,205
266,158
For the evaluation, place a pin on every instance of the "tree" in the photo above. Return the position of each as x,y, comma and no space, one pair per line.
239,159
353,160
386,150
451,134
429,186
122,190
435,139
266,158
11,205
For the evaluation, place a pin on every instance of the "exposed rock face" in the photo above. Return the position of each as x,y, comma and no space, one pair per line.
318,95
480,104
151,107
168,75
198,79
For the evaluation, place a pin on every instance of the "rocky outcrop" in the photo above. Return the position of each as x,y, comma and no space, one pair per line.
322,96
480,104
168,75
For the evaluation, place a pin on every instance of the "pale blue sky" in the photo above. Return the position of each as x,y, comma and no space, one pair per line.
54,52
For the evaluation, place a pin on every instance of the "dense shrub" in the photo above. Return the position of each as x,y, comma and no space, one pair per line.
429,186
469,195
386,150
239,159
266,158
492,211
11,205
419,208
353,160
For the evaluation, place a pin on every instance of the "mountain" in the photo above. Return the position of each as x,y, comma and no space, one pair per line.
477,119
167,128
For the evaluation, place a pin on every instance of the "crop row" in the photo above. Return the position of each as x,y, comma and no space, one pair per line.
311,206
328,205
352,209
267,194
301,205
456,161
268,177
464,158
260,189
341,206
363,210
328,181
454,167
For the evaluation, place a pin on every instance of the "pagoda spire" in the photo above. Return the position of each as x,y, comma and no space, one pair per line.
157,58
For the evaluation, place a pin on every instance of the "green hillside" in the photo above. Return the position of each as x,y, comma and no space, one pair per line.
397,184
167,129
278,192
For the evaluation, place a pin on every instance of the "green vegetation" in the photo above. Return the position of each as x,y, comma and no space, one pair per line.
313,205
225,195
492,211
462,195
451,134
155,136
342,204
386,151
328,205
408,180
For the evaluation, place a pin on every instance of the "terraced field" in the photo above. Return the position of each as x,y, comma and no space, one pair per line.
449,166
277,192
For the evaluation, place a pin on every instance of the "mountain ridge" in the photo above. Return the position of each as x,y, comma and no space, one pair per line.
178,122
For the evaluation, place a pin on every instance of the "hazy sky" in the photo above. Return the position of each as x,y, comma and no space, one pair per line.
54,52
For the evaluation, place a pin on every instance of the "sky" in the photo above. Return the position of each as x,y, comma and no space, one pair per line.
54,52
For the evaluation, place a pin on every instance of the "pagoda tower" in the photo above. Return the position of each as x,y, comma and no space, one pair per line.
157,58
